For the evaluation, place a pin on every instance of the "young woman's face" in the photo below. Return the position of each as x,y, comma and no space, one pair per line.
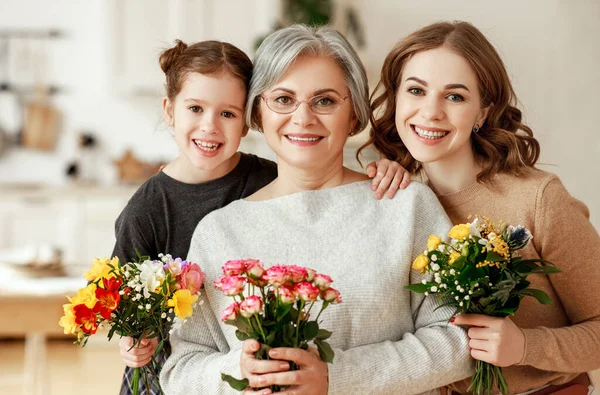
437,106
303,138
208,120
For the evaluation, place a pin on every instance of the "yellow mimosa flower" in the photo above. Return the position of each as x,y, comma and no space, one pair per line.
460,232
100,268
420,262
68,320
86,296
182,302
433,242
453,256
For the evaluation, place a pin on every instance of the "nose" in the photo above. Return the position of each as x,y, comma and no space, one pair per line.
303,116
208,123
432,108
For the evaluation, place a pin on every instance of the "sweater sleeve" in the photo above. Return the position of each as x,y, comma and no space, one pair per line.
434,355
200,352
564,236
130,235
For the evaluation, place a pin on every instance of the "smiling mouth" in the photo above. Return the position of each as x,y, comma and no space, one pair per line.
429,134
206,146
304,139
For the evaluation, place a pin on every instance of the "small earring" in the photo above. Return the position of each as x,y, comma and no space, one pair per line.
475,128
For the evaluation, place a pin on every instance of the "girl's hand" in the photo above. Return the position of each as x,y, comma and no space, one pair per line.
498,341
387,175
139,356
312,378
255,369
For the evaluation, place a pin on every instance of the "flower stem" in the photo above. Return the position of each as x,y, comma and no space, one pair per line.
298,323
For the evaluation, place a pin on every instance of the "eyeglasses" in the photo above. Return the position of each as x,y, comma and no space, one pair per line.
282,103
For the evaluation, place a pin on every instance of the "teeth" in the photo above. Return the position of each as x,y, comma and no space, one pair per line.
294,138
428,134
203,145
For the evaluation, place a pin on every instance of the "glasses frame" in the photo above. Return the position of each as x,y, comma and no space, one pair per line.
298,102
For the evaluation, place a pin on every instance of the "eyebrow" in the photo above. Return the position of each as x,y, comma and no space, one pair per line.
449,86
315,93
226,104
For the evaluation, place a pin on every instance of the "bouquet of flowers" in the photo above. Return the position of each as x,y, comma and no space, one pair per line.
478,271
276,308
142,299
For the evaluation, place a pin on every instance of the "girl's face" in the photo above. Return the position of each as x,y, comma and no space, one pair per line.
207,118
437,105
303,138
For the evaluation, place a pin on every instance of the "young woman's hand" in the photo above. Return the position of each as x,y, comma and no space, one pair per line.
387,175
498,341
311,379
139,356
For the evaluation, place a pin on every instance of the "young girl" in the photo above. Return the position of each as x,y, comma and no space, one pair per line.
449,112
206,86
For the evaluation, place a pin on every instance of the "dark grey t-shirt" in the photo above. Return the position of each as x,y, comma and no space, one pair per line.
162,214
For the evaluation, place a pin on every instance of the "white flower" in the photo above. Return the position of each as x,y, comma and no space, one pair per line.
452,271
470,292
461,304
148,306
457,297
423,281
140,307
467,297
121,292
163,315
435,267
438,279
455,282
151,276
434,289
169,319
434,258
426,294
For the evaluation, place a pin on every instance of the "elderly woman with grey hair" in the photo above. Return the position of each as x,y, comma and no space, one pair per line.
308,94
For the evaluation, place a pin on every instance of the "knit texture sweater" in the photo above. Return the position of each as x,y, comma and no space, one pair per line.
562,339
387,340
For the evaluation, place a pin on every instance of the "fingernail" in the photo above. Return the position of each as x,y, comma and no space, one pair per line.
373,187
452,319
284,366
273,353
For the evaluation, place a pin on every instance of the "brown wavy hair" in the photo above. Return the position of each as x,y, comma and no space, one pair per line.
503,144
205,57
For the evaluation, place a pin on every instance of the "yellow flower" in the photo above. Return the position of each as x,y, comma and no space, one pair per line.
68,320
433,242
182,301
460,232
100,269
420,262
86,296
453,256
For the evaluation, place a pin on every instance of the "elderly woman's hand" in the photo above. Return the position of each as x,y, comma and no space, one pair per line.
140,355
387,175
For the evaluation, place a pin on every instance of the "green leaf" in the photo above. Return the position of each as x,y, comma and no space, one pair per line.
325,351
323,334
494,257
418,288
245,336
238,385
282,310
546,270
541,296
310,330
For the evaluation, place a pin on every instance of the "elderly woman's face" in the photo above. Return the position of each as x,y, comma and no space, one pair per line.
307,115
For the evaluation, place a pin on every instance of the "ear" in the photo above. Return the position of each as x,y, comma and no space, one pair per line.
353,124
168,111
483,113
245,131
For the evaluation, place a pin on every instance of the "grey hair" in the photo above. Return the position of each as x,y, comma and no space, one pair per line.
281,48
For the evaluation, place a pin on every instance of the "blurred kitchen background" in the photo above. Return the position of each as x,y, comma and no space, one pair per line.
80,129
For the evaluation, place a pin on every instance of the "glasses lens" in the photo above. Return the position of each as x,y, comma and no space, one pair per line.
281,103
325,104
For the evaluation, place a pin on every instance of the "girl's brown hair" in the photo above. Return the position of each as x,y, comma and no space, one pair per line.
503,143
205,57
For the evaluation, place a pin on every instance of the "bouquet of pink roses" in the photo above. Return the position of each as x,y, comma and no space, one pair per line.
142,299
276,308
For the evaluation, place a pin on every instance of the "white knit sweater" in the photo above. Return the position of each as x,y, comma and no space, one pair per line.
387,340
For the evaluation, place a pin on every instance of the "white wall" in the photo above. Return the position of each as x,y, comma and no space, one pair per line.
550,47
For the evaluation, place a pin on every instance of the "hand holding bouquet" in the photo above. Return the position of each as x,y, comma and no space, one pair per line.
276,310
479,272
143,299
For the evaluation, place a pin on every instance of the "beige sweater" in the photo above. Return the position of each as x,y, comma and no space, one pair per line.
562,339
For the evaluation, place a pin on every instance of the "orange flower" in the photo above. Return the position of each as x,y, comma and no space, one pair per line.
108,301
85,317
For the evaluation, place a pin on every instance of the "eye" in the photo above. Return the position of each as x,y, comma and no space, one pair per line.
228,114
322,101
284,100
416,91
455,97
195,109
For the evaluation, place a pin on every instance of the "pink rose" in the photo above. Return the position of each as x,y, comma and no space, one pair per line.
191,278
254,268
234,268
286,294
276,275
332,296
310,274
322,281
251,305
306,291
231,312
233,285
175,266
297,273
218,283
